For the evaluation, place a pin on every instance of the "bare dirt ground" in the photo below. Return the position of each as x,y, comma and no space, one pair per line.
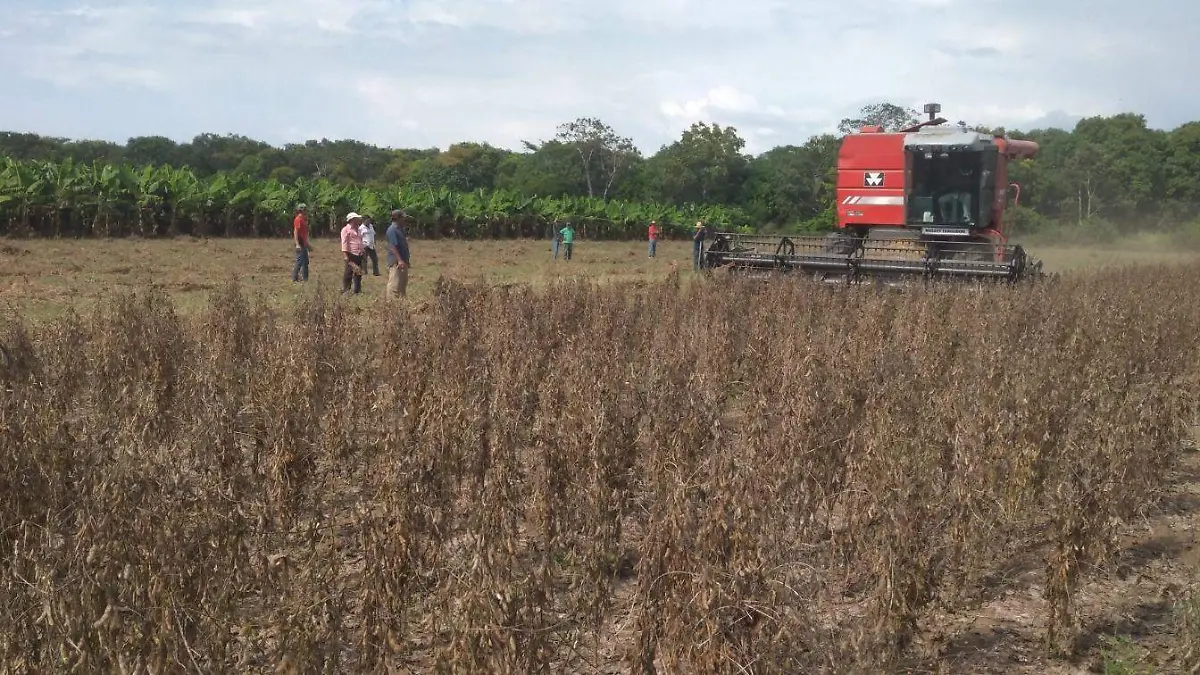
43,277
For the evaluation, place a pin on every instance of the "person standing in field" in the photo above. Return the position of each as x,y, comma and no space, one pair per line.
698,244
352,249
653,237
300,238
397,257
568,240
367,230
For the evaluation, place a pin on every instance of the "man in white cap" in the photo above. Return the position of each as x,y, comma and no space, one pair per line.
352,249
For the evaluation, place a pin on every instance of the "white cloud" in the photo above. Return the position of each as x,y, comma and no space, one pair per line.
761,125
519,17
234,17
432,72
335,16
101,75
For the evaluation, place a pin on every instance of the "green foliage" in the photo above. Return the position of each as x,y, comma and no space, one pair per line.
56,199
1107,177
887,115
706,165
1122,656
793,183
602,154
550,169
1189,235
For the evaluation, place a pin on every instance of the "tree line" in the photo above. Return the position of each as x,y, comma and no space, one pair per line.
1106,175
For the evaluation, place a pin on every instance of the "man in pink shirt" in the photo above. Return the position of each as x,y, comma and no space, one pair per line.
654,232
352,249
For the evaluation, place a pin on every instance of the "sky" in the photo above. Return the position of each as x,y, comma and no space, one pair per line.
426,73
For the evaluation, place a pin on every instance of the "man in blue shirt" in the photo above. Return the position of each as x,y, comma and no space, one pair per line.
397,257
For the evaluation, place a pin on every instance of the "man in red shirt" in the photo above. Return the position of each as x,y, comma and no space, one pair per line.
352,249
300,238
654,232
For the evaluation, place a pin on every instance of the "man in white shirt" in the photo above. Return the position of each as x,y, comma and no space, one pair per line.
367,230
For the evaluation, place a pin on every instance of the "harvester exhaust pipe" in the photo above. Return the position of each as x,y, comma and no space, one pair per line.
931,109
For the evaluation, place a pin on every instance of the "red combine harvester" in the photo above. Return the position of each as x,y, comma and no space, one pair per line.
924,202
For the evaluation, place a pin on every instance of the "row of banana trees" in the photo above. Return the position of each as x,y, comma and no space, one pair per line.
55,199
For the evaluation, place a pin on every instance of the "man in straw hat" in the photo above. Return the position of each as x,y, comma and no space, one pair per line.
352,249
698,244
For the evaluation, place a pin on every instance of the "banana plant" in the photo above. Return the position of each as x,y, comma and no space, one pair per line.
153,191
41,194
18,192
270,212
113,199
186,198
114,188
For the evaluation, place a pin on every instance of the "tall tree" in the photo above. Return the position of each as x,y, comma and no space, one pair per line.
887,115
1182,179
548,169
603,154
30,146
143,150
210,153
86,151
705,166
1123,164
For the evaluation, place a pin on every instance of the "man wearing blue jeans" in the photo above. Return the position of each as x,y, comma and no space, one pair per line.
698,244
300,237
397,256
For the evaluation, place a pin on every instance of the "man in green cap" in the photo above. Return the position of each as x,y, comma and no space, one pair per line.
568,238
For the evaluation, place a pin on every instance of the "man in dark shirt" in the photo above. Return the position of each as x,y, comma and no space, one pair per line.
397,257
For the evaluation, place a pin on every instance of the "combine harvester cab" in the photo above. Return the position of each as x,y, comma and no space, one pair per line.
925,202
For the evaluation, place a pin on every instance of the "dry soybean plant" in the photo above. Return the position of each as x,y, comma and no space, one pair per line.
716,477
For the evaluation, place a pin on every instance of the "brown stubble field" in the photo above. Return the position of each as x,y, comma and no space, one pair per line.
672,475
42,278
